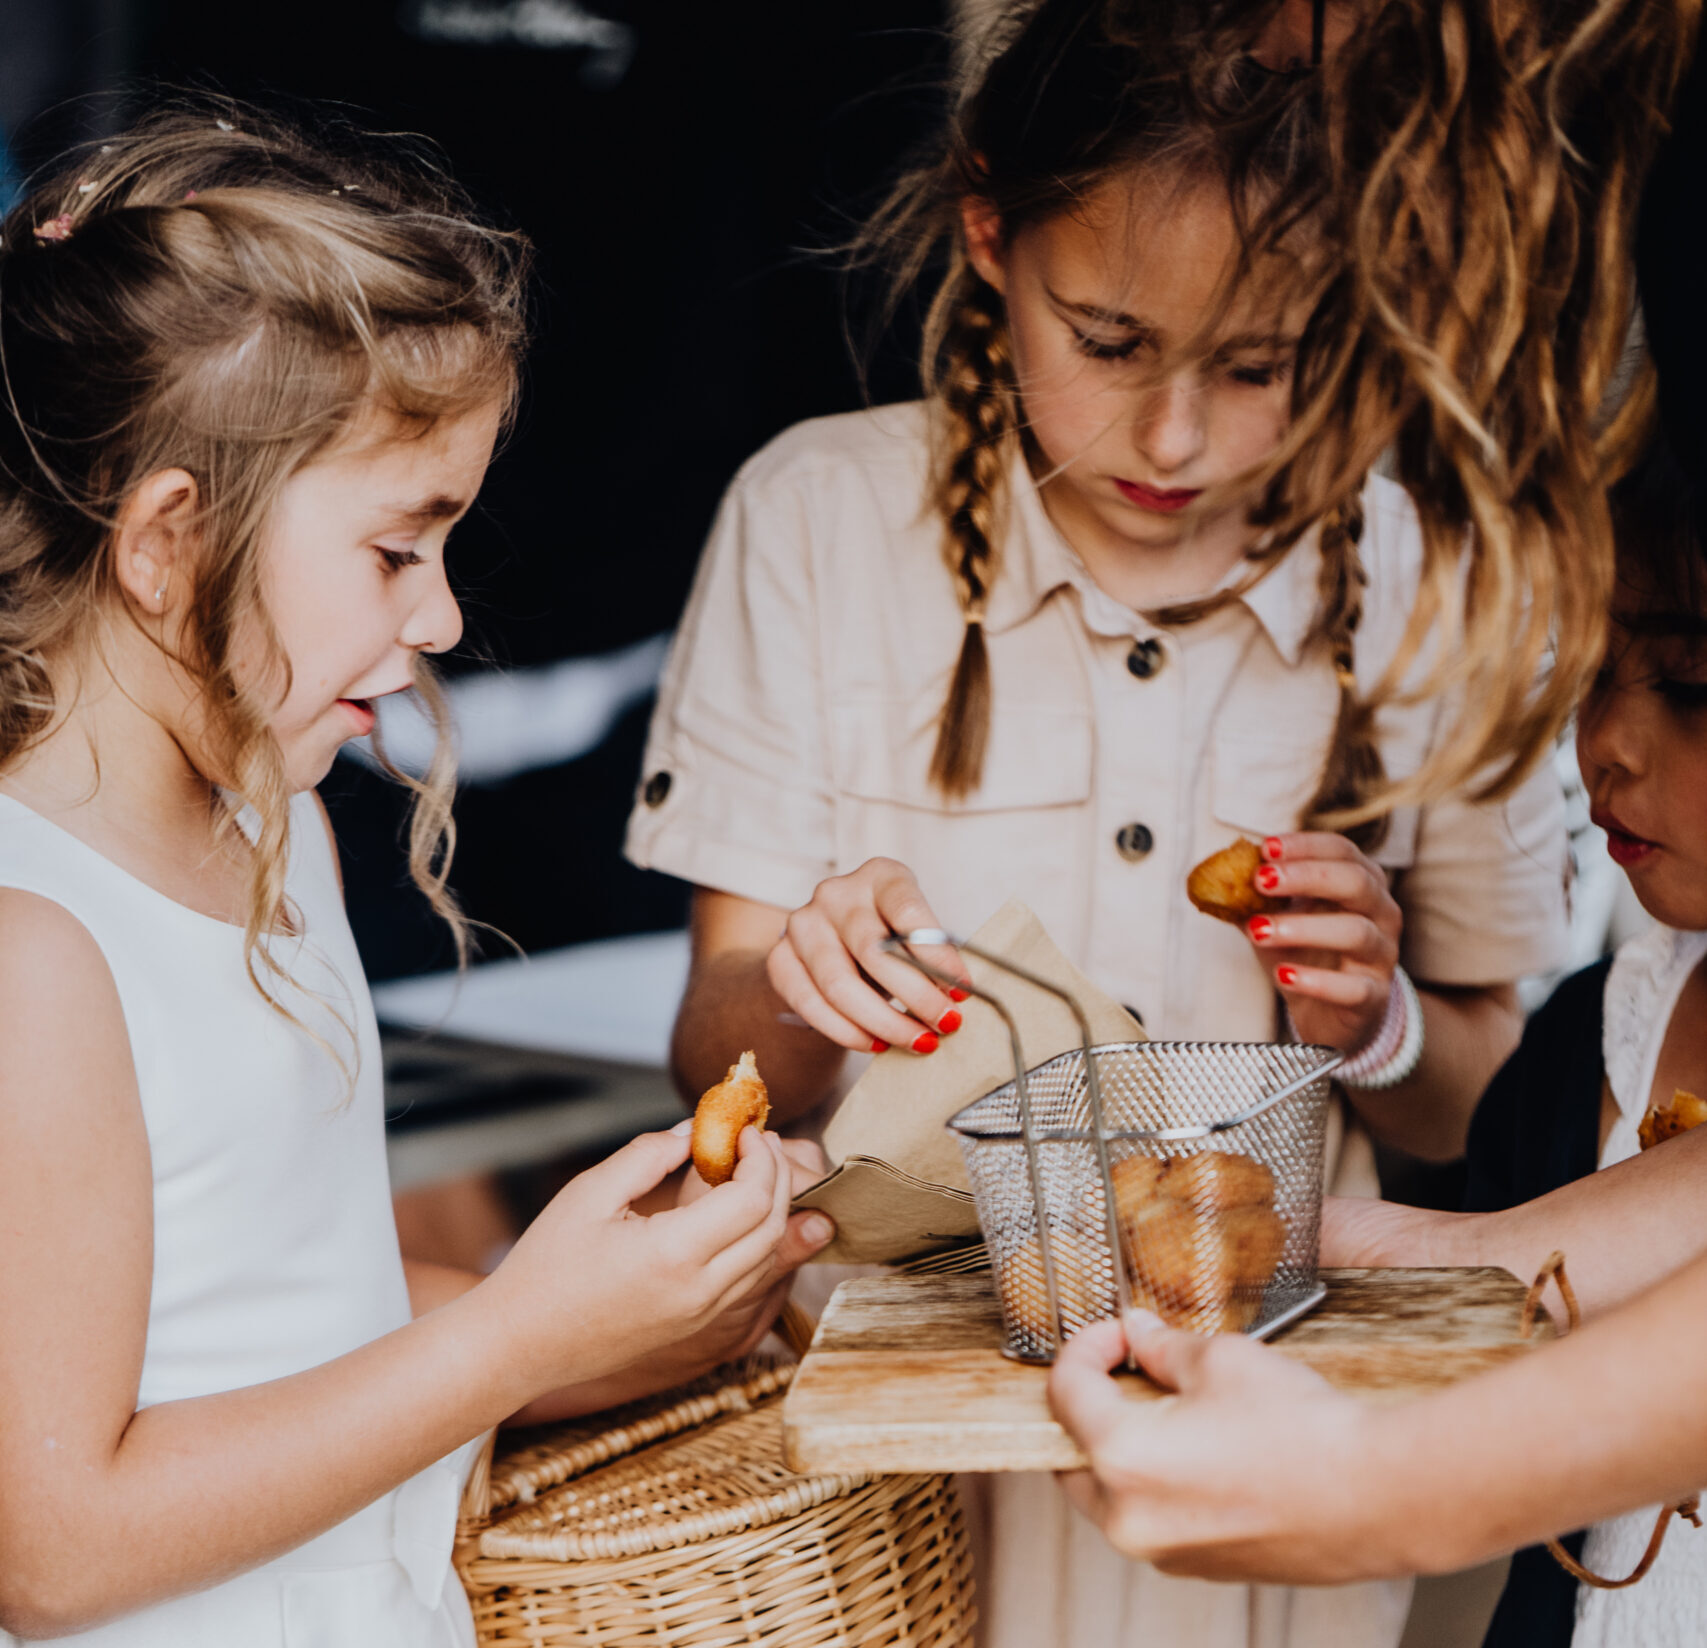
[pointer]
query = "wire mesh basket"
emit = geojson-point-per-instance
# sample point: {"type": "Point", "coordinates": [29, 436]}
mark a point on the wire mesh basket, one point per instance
{"type": "Point", "coordinates": [1185, 1177]}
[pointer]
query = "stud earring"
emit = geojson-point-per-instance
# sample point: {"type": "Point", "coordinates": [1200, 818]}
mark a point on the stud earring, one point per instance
{"type": "Point", "coordinates": [160, 595]}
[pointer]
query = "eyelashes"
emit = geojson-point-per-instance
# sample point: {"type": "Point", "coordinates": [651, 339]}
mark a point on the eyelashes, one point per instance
{"type": "Point", "coordinates": [397, 560]}
{"type": "Point", "coordinates": [1098, 349]}
{"type": "Point", "coordinates": [1254, 375]}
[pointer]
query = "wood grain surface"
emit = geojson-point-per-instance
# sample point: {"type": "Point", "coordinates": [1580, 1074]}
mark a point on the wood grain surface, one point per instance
{"type": "Point", "coordinates": [905, 1373]}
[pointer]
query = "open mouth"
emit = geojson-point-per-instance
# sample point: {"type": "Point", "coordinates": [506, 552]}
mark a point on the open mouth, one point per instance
{"type": "Point", "coordinates": [360, 711]}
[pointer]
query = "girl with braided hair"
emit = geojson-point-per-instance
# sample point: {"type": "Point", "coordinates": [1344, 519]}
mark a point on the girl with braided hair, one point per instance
{"type": "Point", "coordinates": [1060, 630]}
{"type": "Point", "coordinates": [250, 382]}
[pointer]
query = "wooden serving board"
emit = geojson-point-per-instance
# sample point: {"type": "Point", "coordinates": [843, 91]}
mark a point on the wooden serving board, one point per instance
{"type": "Point", "coordinates": [906, 1374]}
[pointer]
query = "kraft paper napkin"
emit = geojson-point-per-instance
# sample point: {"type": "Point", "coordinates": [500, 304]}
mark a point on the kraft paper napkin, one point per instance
{"type": "Point", "coordinates": [897, 1186]}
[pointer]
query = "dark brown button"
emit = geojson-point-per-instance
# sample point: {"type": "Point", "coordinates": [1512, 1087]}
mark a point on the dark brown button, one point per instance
{"type": "Point", "coordinates": [657, 788]}
{"type": "Point", "coordinates": [1134, 841]}
{"type": "Point", "coordinates": [1146, 658]}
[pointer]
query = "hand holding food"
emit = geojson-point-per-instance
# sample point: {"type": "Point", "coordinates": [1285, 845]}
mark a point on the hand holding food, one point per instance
{"type": "Point", "coordinates": [1224, 885]}
{"type": "Point", "coordinates": [738, 1101]}
{"type": "Point", "coordinates": [1331, 937]}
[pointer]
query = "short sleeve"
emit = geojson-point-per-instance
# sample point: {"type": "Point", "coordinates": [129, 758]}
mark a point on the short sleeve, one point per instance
{"type": "Point", "coordinates": [1484, 899]}
{"type": "Point", "coordinates": [735, 792]}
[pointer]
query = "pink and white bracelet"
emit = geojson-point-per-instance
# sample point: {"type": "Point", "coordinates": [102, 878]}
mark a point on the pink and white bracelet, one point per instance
{"type": "Point", "coordinates": [1397, 1047]}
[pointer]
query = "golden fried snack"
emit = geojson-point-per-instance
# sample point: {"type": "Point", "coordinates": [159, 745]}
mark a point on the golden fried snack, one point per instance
{"type": "Point", "coordinates": [1078, 1282]}
{"type": "Point", "coordinates": [1216, 1181]}
{"type": "Point", "coordinates": [1204, 1270]}
{"type": "Point", "coordinates": [739, 1100]}
{"type": "Point", "coordinates": [1135, 1180]}
{"type": "Point", "coordinates": [1221, 886]}
{"type": "Point", "coordinates": [1666, 1121]}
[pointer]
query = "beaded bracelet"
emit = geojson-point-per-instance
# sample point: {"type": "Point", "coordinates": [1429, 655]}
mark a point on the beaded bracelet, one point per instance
{"type": "Point", "coordinates": [1397, 1048]}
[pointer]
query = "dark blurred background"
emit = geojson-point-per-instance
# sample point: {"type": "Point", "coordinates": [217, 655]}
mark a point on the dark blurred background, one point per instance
{"type": "Point", "coordinates": [675, 165]}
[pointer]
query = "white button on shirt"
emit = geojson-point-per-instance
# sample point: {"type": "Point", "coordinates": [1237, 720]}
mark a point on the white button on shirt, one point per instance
{"type": "Point", "coordinates": [800, 705]}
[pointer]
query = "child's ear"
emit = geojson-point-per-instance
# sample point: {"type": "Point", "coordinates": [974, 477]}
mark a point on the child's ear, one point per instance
{"type": "Point", "coordinates": [986, 244]}
{"type": "Point", "coordinates": [153, 538]}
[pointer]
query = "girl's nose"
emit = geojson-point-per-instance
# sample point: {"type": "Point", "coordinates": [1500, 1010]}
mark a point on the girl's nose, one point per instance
{"type": "Point", "coordinates": [1169, 430]}
{"type": "Point", "coordinates": [1610, 732]}
{"type": "Point", "coordinates": [435, 622]}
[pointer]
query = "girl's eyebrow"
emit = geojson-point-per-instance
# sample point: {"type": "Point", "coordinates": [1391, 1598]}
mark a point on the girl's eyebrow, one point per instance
{"type": "Point", "coordinates": [1241, 341]}
{"type": "Point", "coordinates": [1103, 317]}
{"type": "Point", "coordinates": [1234, 345]}
{"type": "Point", "coordinates": [439, 507]}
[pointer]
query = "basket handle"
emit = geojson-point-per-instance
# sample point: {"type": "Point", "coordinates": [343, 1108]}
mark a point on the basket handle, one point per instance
{"type": "Point", "coordinates": [741, 1387]}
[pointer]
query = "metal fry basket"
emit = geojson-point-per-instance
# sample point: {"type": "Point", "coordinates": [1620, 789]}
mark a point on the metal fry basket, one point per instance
{"type": "Point", "coordinates": [1185, 1177]}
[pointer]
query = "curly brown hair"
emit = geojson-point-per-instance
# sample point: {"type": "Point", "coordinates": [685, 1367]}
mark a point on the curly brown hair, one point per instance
{"type": "Point", "coordinates": [1467, 177]}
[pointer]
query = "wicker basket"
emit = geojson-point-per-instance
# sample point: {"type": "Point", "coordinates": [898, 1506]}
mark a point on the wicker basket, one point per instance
{"type": "Point", "coordinates": [675, 1522]}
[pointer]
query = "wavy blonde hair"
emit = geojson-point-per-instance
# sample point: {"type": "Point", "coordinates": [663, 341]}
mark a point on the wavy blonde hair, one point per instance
{"type": "Point", "coordinates": [1466, 176]}
{"type": "Point", "coordinates": [220, 291]}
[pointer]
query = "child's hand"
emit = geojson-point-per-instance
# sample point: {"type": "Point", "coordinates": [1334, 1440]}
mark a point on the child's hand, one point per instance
{"type": "Point", "coordinates": [831, 968]}
{"type": "Point", "coordinates": [803, 1159]}
{"type": "Point", "coordinates": [1333, 951]}
{"type": "Point", "coordinates": [593, 1287]}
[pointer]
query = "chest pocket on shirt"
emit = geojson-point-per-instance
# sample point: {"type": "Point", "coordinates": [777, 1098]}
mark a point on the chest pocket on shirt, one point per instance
{"type": "Point", "coordinates": [1261, 785]}
{"type": "Point", "coordinates": [881, 751]}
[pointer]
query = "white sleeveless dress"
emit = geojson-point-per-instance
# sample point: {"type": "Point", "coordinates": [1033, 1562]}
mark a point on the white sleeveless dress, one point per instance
{"type": "Point", "coordinates": [274, 1244]}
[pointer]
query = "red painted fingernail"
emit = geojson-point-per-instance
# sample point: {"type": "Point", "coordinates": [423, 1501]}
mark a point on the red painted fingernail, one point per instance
{"type": "Point", "coordinates": [1272, 847]}
{"type": "Point", "coordinates": [949, 1022]}
{"type": "Point", "coordinates": [958, 995]}
{"type": "Point", "coordinates": [880, 1047]}
{"type": "Point", "coordinates": [925, 1044]}
{"type": "Point", "coordinates": [1260, 928]}
{"type": "Point", "coordinates": [1268, 878]}
{"type": "Point", "coordinates": [1286, 976]}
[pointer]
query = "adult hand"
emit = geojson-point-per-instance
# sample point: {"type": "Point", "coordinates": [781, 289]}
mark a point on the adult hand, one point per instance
{"type": "Point", "coordinates": [1256, 1470]}
{"type": "Point", "coordinates": [1333, 950]}
{"type": "Point", "coordinates": [831, 968]}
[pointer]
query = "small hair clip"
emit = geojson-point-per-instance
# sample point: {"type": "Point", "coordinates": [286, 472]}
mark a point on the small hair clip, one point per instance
{"type": "Point", "coordinates": [189, 195]}
{"type": "Point", "coordinates": [58, 228]}
{"type": "Point", "coordinates": [106, 148]}
{"type": "Point", "coordinates": [225, 125]}
{"type": "Point", "coordinates": [85, 187]}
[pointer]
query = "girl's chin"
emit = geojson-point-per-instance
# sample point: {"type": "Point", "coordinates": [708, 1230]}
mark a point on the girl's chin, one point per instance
{"type": "Point", "coordinates": [1682, 908]}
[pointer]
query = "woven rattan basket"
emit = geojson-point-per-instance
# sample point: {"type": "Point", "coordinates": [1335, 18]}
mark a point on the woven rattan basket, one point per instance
{"type": "Point", "coordinates": [674, 1522]}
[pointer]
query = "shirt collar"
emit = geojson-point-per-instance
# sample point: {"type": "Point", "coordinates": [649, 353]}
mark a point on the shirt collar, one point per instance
{"type": "Point", "coordinates": [1037, 561]}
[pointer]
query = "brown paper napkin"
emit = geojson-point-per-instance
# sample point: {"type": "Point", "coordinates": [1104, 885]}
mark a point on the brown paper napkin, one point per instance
{"type": "Point", "coordinates": [897, 1186]}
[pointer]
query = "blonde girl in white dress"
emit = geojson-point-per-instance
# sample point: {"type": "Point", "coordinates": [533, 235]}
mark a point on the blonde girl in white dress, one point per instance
{"type": "Point", "coordinates": [1030, 639]}
{"type": "Point", "coordinates": [250, 385]}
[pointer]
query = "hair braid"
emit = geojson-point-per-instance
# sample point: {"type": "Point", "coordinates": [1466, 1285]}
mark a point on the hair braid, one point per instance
{"type": "Point", "coordinates": [1354, 770]}
{"type": "Point", "coordinates": [975, 398]}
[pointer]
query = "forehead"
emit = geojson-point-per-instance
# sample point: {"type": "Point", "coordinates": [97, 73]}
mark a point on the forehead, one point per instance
{"type": "Point", "coordinates": [380, 453]}
{"type": "Point", "coordinates": [1163, 247]}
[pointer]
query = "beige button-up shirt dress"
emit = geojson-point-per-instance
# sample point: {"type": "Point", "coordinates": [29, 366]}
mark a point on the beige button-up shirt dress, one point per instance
{"type": "Point", "coordinates": [792, 742]}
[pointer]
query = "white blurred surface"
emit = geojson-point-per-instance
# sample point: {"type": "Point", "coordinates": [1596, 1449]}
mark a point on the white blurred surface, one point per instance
{"type": "Point", "coordinates": [512, 721]}
{"type": "Point", "coordinates": [612, 999]}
